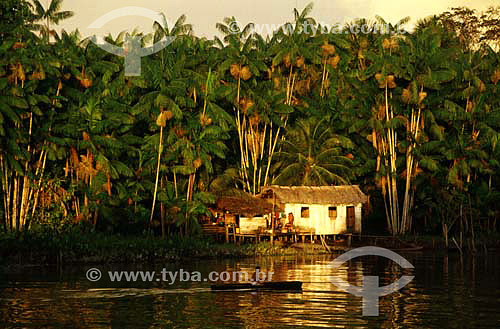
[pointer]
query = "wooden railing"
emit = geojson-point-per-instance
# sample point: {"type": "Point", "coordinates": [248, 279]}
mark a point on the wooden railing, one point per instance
{"type": "Point", "coordinates": [213, 230]}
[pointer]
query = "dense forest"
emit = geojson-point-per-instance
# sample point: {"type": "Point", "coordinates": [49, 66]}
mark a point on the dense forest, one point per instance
{"type": "Point", "coordinates": [411, 117]}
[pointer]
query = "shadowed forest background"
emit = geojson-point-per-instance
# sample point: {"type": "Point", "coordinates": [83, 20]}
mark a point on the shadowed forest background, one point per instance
{"type": "Point", "coordinates": [413, 119]}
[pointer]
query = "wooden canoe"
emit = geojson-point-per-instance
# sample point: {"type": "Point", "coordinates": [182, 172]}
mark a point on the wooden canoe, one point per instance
{"type": "Point", "coordinates": [278, 285]}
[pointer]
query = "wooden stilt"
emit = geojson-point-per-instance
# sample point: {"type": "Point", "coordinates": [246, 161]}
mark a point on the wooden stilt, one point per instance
{"type": "Point", "coordinates": [273, 219]}
{"type": "Point", "coordinates": [323, 242]}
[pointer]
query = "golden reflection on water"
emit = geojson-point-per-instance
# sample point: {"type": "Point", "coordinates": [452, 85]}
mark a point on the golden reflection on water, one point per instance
{"type": "Point", "coordinates": [443, 292]}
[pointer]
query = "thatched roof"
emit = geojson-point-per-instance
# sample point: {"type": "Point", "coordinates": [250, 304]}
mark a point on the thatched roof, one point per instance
{"type": "Point", "coordinates": [247, 206]}
{"type": "Point", "coordinates": [332, 195]}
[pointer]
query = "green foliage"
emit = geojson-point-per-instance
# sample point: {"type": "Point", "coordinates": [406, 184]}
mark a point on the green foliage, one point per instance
{"type": "Point", "coordinates": [312, 155]}
{"type": "Point", "coordinates": [80, 140]}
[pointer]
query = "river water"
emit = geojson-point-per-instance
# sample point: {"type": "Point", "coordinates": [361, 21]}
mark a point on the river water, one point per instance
{"type": "Point", "coordinates": [448, 291]}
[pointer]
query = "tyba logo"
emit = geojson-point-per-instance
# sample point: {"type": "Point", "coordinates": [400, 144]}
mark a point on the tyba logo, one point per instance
{"type": "Point", "coordinates": [133, 51]}
{"type": "Point", "coordinates": [370, 290]}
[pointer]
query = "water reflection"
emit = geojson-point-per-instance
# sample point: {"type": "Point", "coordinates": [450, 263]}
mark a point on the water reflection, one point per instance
{"type": "Point", "coordinates": [446, 291]}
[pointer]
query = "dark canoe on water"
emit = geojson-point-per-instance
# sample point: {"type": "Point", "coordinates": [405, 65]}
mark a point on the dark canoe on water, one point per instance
{"type": "Point", "coordinates": [279, 285]}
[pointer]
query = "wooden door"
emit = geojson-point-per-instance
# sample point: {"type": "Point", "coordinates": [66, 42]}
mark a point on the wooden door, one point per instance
{"type": "Point", "coordinates": [351, 218]}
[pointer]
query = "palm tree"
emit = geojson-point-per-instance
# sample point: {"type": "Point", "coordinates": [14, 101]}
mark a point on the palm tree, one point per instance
{"type": "Point", "coordinates": [51, 15]}
{"type": "Point", "coordinates": [180, 28]}
{"type": "Point", "coordinates": [243, 58]}
{"type": "Point", "coordinates": [420, 107]}
{"type": "Point", "coordinates": [312, 155]}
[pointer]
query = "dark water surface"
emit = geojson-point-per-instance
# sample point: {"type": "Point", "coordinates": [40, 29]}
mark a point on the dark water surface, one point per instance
{"type": "Point", "coordinates": [448, 292]}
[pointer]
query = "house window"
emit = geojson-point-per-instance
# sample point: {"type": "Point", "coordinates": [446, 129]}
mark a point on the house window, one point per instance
{"type": "Point", "coordinates": [332, 212]}
{"type": "Point", "coordinates": [304, 212]}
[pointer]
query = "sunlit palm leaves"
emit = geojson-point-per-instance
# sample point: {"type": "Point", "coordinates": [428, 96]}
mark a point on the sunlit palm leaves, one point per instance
{"type": "Point", "coordinates": [51, 15]}
{"type": "Point", "coordinates": [312, 155]}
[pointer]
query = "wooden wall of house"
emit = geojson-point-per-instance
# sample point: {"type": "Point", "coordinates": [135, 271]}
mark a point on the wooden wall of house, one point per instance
{"type": "Point", "coordinates": [358, 213]}
{"type": "Point", "coordinates": [319, 218]}
{"type": "Point", "coordinates": [250, 225]}
{"type": "Point", "coordinates": [229, 218]}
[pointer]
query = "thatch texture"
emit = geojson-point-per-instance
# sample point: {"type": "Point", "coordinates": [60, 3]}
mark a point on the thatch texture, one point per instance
{"type": "Point", "coordinates": [247, 206]}
{"type": "Point", "coordinates": [332, 195]}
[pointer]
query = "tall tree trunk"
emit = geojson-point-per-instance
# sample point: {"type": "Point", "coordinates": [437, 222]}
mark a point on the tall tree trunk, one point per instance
{"type": "Point", "coordinates": [160, 146]}
{"type": "Point", "coordinates": [162, 215]}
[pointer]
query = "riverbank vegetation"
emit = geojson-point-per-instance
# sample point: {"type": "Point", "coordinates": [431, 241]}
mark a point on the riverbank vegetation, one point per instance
{"type": "Point", "coordinates": [82, 245]}
{"type": "Point", "coordinates": [413, 118]}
